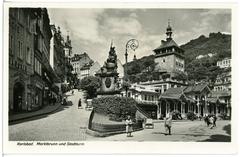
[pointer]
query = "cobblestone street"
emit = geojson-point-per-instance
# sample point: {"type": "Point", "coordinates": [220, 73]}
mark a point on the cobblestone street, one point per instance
{"type": "Point", "coordinates": [68, 123]}
{"type": "Point", "coordinates": [181, 131]}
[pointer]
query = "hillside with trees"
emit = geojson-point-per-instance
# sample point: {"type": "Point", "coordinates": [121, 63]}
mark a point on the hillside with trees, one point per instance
{"type": "Point", "coordinates": [201, 56]}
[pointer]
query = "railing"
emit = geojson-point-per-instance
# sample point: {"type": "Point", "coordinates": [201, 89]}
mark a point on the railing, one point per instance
{"type": "Point", "coordinates": [141, 111]}
{"type": "Point", "coordinates": [147, 102]}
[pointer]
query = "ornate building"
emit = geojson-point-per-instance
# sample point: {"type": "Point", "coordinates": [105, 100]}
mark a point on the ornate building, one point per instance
{"type": "Point", "coordinates": [78, 61]}
{"type": "Point", "coordinates": [57, 54]}
{"type": "Point", "coordinates": [29, 69]}
{"type": "Point", "coordinates": [169, 59]}
{"type": "Point", "coordinates": [169, 56]}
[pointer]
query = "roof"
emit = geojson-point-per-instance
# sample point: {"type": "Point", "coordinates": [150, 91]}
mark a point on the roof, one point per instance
{"type": "Point", "coordinates": [221, 93]}
{"type": "Point", "coordinates": [143, 89]}
{"type": "Point", "coordinates": [212, 99]}
{"type": "Point", "coordinates": [168, 43]}
{"type": "Point", "coordinates": [173, 93]}
{"type": "Point", "coordinates": [196, 88]}
{"type": "Point", "coordinates": [85, 67]}
{"type": "Point", "coordinates": [177, 93]}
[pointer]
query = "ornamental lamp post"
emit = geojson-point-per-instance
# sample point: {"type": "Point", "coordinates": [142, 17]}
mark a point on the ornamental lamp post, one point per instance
{"type": "Point", "coordinates": [133, 45]}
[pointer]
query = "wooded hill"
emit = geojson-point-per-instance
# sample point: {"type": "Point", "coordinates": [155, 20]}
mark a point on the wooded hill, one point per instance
{"type": "Point", "coordinates": [201, 56]}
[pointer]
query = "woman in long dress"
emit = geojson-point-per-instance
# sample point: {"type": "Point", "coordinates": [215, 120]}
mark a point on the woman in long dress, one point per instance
{"type": "Point", "coordinates": [129, 126]}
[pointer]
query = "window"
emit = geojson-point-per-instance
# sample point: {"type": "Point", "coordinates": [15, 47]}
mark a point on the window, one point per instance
{"type": "Point", "coordinates": [28, 56]}
{"type": "Point", "coordinates": [19, 49]}
{"type": "Point", "coordinates": [164, 88]}
{"type": "Point", "coordinates": [145, 97]}
{"type": "Point", "coordinates": [37, 67]}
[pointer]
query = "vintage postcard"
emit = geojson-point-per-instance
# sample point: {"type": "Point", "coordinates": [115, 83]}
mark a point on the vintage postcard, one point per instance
{"type": "Point", "coordinates": [119, 78]}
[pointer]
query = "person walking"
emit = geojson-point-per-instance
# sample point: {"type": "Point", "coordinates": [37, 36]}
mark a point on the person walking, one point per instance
{"type": "Point", "coordinates": [211, 120]}
{"type": "Point", "coordinates": [79, 103]}
{"type": "Point", "coordinates": [129, 126]}
{"type": "Point", "coordinates": [214, 120]}
{"type": "Point", "coordinates": [168, 124]}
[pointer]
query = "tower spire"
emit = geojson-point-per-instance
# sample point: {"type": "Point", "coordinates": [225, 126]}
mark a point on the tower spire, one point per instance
{"type": "Point", "coordinates": [111, 43]}
{"type": "Point", "coordinates": [169, 31]}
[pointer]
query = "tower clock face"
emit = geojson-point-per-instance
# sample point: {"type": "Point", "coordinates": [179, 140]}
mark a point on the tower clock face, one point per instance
{"type": "Point", "coordinates": [108, 82]}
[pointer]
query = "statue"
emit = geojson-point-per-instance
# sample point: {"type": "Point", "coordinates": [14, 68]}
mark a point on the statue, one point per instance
{"type": "Point", "coordinates": [108, 74]}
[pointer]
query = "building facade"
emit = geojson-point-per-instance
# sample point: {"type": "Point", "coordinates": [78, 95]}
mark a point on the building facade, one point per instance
{"type": "Point", "coordinates": [169, 56]}
{"type": "Point", "coordinates": [225, 63]}
{"type": "Point", "coordinates": [146, 97]}
{"type": "Point", "coordinates": [169, 59]}
{"type": "Point", "coordinates": [221, 93]}
{"type": "Point", "coordinates": [184, 100]}
{"type": "Point", "coordinates": [57, 53]}
{"type": "Point", "coordinates": [78, 61]}
{"type": "Point", "coordinates": [29, 37]}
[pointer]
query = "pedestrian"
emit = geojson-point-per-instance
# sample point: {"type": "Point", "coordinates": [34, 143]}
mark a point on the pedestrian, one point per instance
{"type": "Point", "coordinates": [206, 120]}
{"type": "Point", "coordinates": [214, 120]}
{"type": "Point", "coordinates": [54, 100]}
{"type": "Point", "coordinates": [129, 126]}
{"type": "Point", "coordinates": [72, 92]}
{"type": "Point", "coordinates": [168, 124]}
{"type": "Point", "coordinates": [211, 120]}
{"type": "Point", "coordinates": [64, 102]}
{"type": "Point", "coordinates": [80, 103]}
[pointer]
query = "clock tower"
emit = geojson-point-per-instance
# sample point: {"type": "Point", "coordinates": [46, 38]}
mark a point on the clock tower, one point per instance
{"type": "Point", "coordinates": [169, 56]}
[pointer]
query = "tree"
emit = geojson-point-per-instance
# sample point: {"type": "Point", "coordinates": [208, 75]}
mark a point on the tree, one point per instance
{"type": "Point", "coordinates": [90, 84]}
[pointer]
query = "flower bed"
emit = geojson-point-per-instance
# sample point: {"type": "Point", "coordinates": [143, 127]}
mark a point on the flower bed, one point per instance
{"type": "Point", "coordinates": [114, 107]}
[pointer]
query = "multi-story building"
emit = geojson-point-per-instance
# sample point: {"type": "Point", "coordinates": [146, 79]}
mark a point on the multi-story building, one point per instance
{"type": "Point", "coordinates": [78, 61]}
{"type": "Point", "coordinates": [169, 56]}
{"type": "Point", "coordinates": [21, 58]}
{"type": "Point", "coordinates": [57, 53]}
{"type": "Point", "coordinates": [169, 59]}
{"type": "Point", "coordinates": [225, 63]}
{"type": "Point", "coordinates": [164, 84]}
{"type": "Point", "coordinates": [89, 70]}
{"type": "Point", "coordinates": [146, 97]}
{"type": "Point", "coordinates": [84, 71]}
{"type": "Point", "coordinates": [223, 81]}
{"type": "Point", "coordinates": [221, 94]}
{"type": "Point", "coordinates": [29, 37]}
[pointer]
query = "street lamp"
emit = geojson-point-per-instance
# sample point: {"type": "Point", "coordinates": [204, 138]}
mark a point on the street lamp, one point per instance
{"type": "Point", "coordinates": [133, 45]}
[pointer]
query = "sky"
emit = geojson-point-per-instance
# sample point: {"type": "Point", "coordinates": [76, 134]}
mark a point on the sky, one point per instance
{"type": "Point", "coordinates": [92, 30]}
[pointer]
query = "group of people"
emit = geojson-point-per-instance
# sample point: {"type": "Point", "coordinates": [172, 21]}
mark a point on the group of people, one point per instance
{"type": "Point", "coordinates": [167, 125]}
{"type": "Point", "coordinates": [210, 120]}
